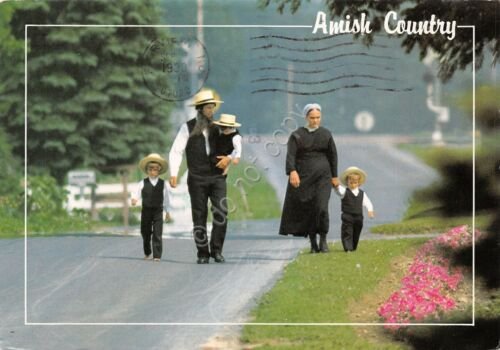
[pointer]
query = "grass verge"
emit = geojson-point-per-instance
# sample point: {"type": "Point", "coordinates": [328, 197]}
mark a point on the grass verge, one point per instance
{"type": "Point", "coordinates": [250, 195]}
{"type": "Point", "coordinates": [431, 224]}
{"type": "Point", "coordinates": [41, 224]}
{"type": "Point", "coordinates": [322, 288]}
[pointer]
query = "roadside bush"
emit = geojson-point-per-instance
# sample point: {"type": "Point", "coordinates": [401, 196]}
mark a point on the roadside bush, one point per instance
{"type": "Point", "coordinates": [45, 195]}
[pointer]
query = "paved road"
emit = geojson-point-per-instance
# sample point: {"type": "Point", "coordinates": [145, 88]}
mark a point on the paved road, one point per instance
{"type": "Point", "coordinates": [102, 279]}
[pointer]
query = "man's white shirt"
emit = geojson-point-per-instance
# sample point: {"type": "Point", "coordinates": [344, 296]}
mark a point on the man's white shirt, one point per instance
{"type": "Point", "coordinates": [180, 143]}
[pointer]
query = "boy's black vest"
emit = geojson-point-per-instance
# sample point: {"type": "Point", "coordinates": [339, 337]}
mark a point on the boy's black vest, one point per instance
{"type": "Point", "coordinates": [198, 161]}
{"type": "Point", "coordinates": [224, 145]}
{"type": "Point", "coordinates": [152, 196]}
{"type": "Point", "coordinates": [352, 204]}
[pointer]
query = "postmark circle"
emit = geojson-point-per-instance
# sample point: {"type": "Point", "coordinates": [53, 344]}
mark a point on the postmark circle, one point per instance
{"type": "Point", "coordinates": [175, 69]}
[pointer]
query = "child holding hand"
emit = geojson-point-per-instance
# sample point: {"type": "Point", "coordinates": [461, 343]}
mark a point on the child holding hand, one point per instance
{"type": "Point", "coordinates": [153, 192]}
{"type": "Point", "coordinates": [353, 201]}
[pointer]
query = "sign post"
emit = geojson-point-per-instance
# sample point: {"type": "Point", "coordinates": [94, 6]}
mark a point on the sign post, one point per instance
{"type": "Point", "coordinates": [83, 178]}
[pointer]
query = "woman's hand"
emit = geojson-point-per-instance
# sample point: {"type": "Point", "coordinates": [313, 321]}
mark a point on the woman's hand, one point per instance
{"type": "Point", "coordinates": [335, 182]}
{"type": "Point", "coordinates": [294, 179]}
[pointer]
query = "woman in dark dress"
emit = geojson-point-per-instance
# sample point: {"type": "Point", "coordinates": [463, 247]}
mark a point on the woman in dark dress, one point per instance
{"type": "Point", "coordinates": [311, 164]}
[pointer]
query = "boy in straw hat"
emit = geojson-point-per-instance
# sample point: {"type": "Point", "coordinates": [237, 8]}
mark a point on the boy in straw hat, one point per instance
{"type": "Point", "coordinates": [353, 201]}
{"type": "Point", "coordinates": [229, 141]}
{"type": "Point", "coordinates": [153, 192]}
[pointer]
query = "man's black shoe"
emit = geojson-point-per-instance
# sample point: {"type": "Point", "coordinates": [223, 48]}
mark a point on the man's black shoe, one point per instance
{"type": "Point", "coordinates": [219, 258]}
{"type": "Point", "coordinates": [202, 260]}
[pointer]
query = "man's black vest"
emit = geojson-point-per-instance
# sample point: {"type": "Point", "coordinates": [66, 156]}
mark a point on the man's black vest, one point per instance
{"type": "Point", "coordinates": [198, 161]}
{"type": "Point", "coordinates": [152, 196]}
{"type": "Point", "coordinates": [352, 204]}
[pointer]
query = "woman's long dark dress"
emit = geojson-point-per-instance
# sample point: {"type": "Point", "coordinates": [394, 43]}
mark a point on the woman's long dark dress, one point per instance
{"type": "Point", "coordinates": [314, 156]}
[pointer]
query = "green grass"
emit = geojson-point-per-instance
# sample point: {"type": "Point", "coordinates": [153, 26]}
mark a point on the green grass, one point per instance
{"type": "Point", "coordinates": [44, 223]}
{"type": "Point", "coordinates": [431, 224]}
{"type": "Point", "coordinates": [318, 288]}
{"type": "Point", "coordinates": [251, 196]}
{"type": "Point", "coordinates": [11, 226]}
{"type": "Point", "coordinates": [433, 156]}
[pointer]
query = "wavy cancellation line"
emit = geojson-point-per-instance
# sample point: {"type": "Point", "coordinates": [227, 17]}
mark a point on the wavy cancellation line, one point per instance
{"type": "Point", "coordinates": [313, 71]}
{"type": "Point", "coordinates": [271, 46]}
{"type": "Point", "coordinates": [284, 37]}
{"type": "Point", "coordinates": [309, 93]}
{"type": "Point", "coordinates": [298, 60]}
{"type": "Point", "coordinates": [369, 76]}
{"type": "Point", "coordinates": [296, 39]}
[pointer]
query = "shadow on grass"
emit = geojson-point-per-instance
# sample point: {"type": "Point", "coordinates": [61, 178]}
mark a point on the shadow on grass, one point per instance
{"type": "Point", "coordinates": [484, 335]}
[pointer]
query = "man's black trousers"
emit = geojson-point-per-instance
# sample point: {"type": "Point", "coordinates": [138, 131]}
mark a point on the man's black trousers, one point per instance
{"type": "Point", "coordinates": [202, 188]}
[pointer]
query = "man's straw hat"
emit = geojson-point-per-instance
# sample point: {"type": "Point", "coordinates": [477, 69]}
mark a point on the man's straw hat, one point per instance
{"type": "Point", "coordinates": [227, 120]}
{"type": "Point", "coordinates": [156, 158]}
{"type": "Point", "coordinates": [353, 170]}
{"type": "Point", "coordinates": [205, 96]}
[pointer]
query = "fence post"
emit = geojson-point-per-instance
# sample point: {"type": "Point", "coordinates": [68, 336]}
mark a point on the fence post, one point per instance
{"type": "Point", "coordinates": [124, 175]}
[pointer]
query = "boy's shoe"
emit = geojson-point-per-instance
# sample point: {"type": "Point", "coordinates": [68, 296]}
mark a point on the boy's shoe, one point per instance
{"type": "Point", "coordinates": [147, 257]}
{"type": "Point", "coordinates": [156, 259]}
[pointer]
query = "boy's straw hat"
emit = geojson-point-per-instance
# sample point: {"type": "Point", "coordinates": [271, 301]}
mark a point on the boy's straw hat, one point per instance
{"type": "Point", "coordinates": [227, 120]}
{"type": "Point", "coordinates": [205, 96]}
{"type": "Point", "coordinates": [353, 170]}
{"type": "Point", "coordinates": [156, 158]}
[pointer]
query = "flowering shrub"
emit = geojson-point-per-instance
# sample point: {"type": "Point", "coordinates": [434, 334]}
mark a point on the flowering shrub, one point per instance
{"type": "Point", "coordinates": [425, 290]}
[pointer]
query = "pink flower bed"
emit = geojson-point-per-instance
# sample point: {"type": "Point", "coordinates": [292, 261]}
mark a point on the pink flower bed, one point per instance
{"type": "Point", "coordinates": [426, 289]}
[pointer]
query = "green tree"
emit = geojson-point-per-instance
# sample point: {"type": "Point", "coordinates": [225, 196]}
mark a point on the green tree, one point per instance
{"type": "Point", "coordinates": [11, 79]}
{"type": "Point", "coordinates": [88, 105]}
{"type": "Point", "coordinates": [453, 54]}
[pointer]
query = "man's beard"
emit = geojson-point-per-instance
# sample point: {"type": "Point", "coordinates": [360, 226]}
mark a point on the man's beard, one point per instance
{"type": "Point", "coordinates": [202, 123]}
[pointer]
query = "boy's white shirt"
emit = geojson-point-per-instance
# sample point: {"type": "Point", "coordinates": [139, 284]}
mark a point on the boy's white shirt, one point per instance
{"type": "Point", "coordinates": [137, 194]}
{"type": "Point", "coordinates": [237, 147]}
{"type": "Point", "coordinates": [367, 203]}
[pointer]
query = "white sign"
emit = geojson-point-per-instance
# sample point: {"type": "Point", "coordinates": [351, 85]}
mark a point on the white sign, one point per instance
{"type": "Point", "coordinates": [81, 178]}
{"type": "Point", "coordinates": [364, 121]}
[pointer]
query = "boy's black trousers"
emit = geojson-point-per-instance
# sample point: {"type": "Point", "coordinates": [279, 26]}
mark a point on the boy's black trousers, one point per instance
{"type": "Point", "coordinates": [352, 224]}
{"type": "Point", "coordinates": [152, 227]}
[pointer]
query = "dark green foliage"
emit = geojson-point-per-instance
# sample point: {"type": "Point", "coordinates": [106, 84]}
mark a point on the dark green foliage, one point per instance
{"type": "Point", "coordinates": [11, 189]}
{"type": "Point", "coordinates": [453, 54]}
{"type": "Point", "coordinates": [87, 103]}
{"type": "Point", "coordinates": [455, 192]}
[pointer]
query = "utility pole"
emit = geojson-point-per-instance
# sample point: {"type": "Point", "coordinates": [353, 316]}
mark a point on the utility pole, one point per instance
{"type": "Point", "coordinates": [433, 100]}
{"type": "Point", "coordinates": [289, 87]}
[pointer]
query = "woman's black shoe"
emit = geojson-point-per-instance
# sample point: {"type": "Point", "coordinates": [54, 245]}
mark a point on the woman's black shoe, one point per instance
{"type": "Point", "coordinates": [323, 244]}
{"type": "Point", "coordinates": [314, 243]}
